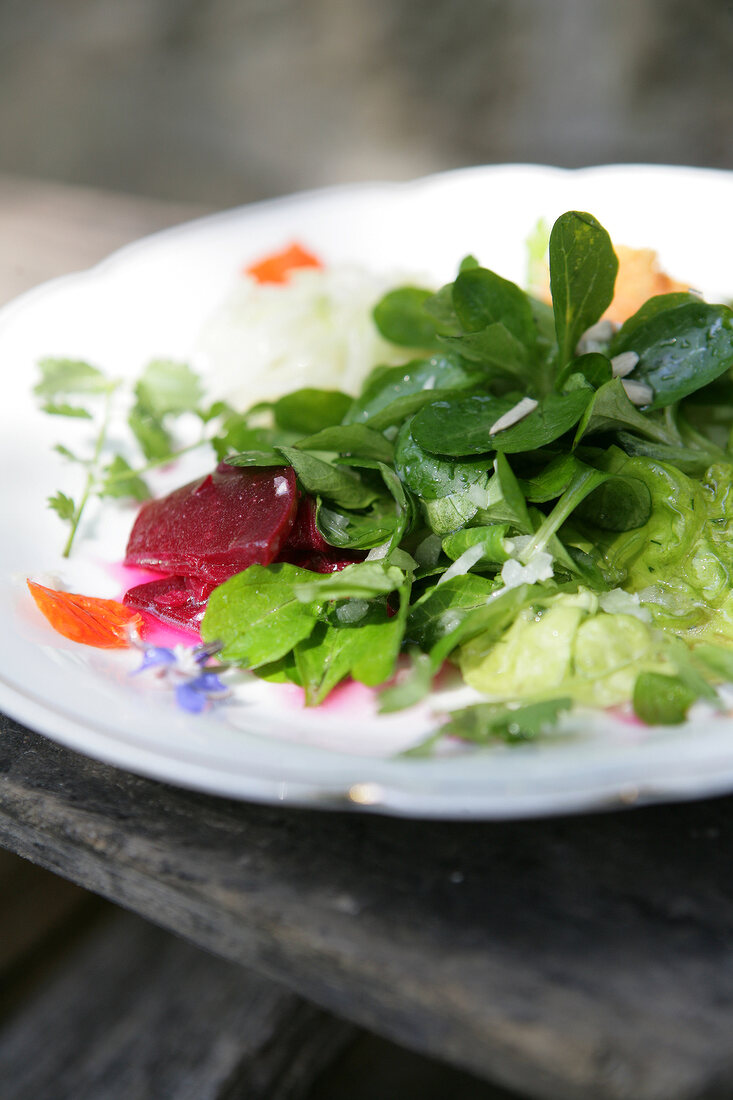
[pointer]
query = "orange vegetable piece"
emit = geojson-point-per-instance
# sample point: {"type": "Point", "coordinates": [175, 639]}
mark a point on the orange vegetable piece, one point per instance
{"type": "Point", "coordinates": [277, 267]}
{"type": "Point", "coordinates": [106, 624]}
{"type": "Point", "coordinates": [639, 278]}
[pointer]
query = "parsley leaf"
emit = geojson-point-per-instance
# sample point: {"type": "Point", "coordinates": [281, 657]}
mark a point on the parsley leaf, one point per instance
{"type": "Point", "coordinates": [67, 376]}
{"type": "Point", "coordinates": [62, 409]}
{"type": "Point", "coordinates": [167, 387]}
{"type": "Point", "coordinates": [120, 480]}
{"type": "Point", "coordinates": [63, 505]}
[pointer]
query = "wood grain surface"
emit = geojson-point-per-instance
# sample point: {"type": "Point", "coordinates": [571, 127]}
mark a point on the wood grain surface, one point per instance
{"type": "Point", "coordinates": [136, 1014]}
{"type": "Point", "coordinates": [578, 958]}
{"type": "Point", "coordinates": [588, 958]}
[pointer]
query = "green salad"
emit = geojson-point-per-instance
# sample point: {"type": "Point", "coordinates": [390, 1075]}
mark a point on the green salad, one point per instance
{"type": "Point", "coordinates": [555, 521]}
{"type": "Point", "coordinates": [538, 497]}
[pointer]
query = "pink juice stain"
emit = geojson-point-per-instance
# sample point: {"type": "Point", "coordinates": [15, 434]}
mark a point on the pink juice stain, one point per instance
{"type": "Point", "coordinates": [624, 715]}
{"type": "Point", "coordinates": [349, 696]}
{"type": "Point", "coordinates": [154, 631]}
{"type": "Point", "coordinates": [352, 697]}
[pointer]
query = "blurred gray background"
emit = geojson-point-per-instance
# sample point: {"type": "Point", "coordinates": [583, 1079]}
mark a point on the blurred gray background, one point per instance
{"type": "Point", "coordinates": [223, 101]}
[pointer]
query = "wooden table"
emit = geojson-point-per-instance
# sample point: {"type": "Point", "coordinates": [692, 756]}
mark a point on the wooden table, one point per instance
{"type": "Point", "coordinates": [587, 958]}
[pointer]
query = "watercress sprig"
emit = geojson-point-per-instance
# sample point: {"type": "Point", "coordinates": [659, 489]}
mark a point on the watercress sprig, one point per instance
{"type": "Point", "coordinates": [164, 391]}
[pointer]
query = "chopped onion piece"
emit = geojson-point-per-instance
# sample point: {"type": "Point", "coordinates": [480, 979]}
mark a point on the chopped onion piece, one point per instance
{"type": "Point", "coordinates": [428, 551]}
{"type": "Point", "coordinates": [623, 364]}
{"type": "Point", "coordinates": [352, 611]}
{"type": "Point", "coordinates": [538, 568]}
{"type": "Point", "coordinates": [620, 602]}
{"type": "Point", "coordinates": [378, 552]}
{"type": "Point", "coordinates": [514, 415]}
{"type": "Point", "coordinates": [638, 392]}
{"type": "Point", "coordinates": [596, 337]}
{"type": "Point", "coordinates": [463, 563]}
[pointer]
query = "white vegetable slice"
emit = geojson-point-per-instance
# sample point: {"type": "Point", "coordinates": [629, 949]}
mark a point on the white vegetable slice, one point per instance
{"type": "Point", "coordinates": [378, 552]}
{"type": "Point", "coordinates": [637, 392]}
{"type": "Point", "coordinates": [623, 364]}
{"type": "Point", "coordinates": [514, 415]}
{"type": "Point", "coordinates": [316, 330]}
{"type": "Point", "coordinates": [352, 611]}
{"type": "Point", "coordinates": [428, 551]}
{"type": "Point", "coordinates": [596, 337]}
{"type": "Point", "coordinates": [538, 568]}
{"type": "Point", "coordinates": [463, 563]}
{"type": "Point", "coordinates": [620, 602]}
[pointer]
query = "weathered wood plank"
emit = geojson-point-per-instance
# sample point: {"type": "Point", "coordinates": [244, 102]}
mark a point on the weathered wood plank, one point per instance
{"type": "Point", "coordinates": [372, 1068]}
{"type": "Point", "coordinates": [581, 958]}
{"type": "Point", "coordinates": [136, 1013]}
{"type": "Point", "coordinates": [41, 917]}
{"type": "Point", "coordinates": [33, 905]}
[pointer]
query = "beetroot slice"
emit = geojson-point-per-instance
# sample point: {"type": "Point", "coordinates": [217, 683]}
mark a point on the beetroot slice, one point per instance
{"type": "Point", "coordinates": [178, 601]}
{"type": "Point", "coordinates": [304, 534]}
{"type": "Point", "coordinates": [307, 548]}
{"type": "Point", "coordinates": [321, 563]}
{"type": "Point", "coordinates": [216, 526]}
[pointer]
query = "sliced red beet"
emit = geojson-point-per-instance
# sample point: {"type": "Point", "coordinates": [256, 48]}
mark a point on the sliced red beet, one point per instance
{"type": "Point", "coordinates": [321, 563]}
{"type": "Point", "coordinates": [307, 547]}
{"type": "Point", "coordinates": [178, 601]}
{"type": "Point", "coordinates": [304, 534]}
{"type": "Point", "coordinates": [216, 526]}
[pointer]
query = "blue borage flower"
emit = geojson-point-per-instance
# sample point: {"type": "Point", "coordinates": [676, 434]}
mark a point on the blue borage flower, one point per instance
{"type": "Point", "coordinates": [195, 695]}
{"type": "Point", "coordinates": [196, 684]}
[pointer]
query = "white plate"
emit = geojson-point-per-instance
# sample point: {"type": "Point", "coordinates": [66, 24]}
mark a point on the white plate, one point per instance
{"type": "Point", "coordinates": [152, 299]}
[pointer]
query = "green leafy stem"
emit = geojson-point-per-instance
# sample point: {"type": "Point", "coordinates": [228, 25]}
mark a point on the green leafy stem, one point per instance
{"type": "Point", "coordinates": [164, 391]}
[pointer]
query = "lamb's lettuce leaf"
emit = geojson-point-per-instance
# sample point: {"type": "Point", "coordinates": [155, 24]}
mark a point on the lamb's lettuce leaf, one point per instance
{"type": "Point", "coordinates": [681, 350]}
{"type": "Point", "coordinates": [583, 269]}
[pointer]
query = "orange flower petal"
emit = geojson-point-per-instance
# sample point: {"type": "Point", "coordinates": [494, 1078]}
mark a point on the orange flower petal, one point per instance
{"type": "Point", "coordinates": [277, 267]}
{"type": "Point", "coordinates": [106, 624]}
